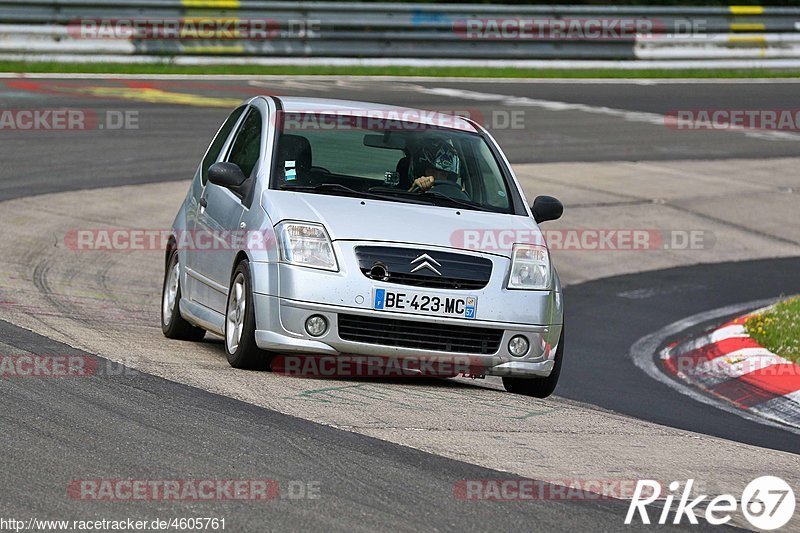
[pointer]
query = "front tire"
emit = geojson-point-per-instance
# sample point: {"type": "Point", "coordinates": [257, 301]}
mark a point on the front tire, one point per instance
{"type": "Point", "coordinates": [173, 325]}
{"type": "Point", "coordinates": [240, 322]}
{"type": "Point", "coordinates": [538, 387]}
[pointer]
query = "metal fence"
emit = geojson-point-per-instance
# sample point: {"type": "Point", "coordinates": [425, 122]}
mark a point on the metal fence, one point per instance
{"type": "Point", "coordinates": [60, 28]}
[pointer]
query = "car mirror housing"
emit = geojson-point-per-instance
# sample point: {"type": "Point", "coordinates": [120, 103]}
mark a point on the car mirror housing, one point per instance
{"type": "Point", "coordinates": [546, 208]}
{"type": "Point", "coordinates": [227, 175]}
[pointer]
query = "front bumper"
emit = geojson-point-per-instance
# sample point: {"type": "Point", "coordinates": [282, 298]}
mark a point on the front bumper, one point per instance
{"type": "Point", "coordinates": [286, 295]}
{"type": "Point", "coordinates": [281, 330]}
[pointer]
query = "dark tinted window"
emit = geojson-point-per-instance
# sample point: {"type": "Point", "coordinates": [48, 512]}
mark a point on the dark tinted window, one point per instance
{"type": "Point", "coordinates": [247, 146]}
{"type": "Point", "coordinates": [219, 140]}
{"type": "Point", "coordinates": [366, 153]}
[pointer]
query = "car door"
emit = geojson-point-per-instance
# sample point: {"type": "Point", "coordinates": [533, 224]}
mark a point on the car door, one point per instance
{"type": "Point", "coordinates": [216, 150]}
{"type": "Point", "coordinates": [219, 215]}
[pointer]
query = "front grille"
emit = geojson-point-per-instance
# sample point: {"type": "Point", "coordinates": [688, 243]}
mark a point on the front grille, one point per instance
{"type": "Point", "coordinates": [420, 335]}
{"type": "Point", "coordinates": [457, 271]}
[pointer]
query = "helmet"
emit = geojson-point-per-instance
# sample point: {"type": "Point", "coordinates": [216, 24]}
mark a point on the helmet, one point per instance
{"type": "Point", "coordinates": [442, 156]}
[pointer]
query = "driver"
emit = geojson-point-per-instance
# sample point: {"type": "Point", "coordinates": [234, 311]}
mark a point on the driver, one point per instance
{"type": "Point", "coordinates": [438, 162]}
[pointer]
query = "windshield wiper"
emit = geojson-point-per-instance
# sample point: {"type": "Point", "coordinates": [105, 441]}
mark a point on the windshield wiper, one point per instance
{"type": "Point", "coordinates": [456, 201]}
{"type": "Point", "coordinates": [433, 197]}
{"type": "Point", "coordinates": [337, 188]}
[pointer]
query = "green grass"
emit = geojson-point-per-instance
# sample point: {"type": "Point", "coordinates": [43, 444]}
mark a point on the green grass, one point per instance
{"type": "Point", "coordinates": [254, 70]}
{"type": "Point", "coordinates": [778, 330]}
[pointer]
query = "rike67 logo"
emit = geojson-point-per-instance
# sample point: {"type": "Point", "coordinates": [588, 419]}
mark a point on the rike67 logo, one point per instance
{"type": "Point", "coordinates": [767, 503]}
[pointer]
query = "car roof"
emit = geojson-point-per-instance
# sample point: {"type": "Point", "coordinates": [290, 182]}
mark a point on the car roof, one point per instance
{"type": "Point", "coordinates": [352, 107]}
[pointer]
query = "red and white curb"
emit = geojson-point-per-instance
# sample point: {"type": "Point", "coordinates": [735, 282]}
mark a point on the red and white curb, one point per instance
{"type": "Point", "coordinates": [730, 365]}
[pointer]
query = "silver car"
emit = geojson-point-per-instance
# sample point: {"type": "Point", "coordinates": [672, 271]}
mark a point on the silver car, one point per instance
{"type": "Point", "coordinates": [330, 228]}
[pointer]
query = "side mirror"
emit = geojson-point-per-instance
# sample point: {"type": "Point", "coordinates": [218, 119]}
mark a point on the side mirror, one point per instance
{"type": "Point", "coordinates": [227, 175]}
{"type": "Point", "coordinates": [546, 208]}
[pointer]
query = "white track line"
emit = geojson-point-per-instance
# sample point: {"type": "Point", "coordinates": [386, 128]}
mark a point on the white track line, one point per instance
{"type": "Point", "coordinates": [655, 119]}
{"type": "Point", "coordinates": [643, 352]}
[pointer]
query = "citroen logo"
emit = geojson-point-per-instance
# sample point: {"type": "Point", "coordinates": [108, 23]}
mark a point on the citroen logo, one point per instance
{"type": "Point", "coordinates": [427, 262]}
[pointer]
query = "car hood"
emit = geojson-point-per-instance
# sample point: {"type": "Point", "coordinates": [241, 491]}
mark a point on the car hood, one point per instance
{"type": "Point", "coordinates": [363, 219]}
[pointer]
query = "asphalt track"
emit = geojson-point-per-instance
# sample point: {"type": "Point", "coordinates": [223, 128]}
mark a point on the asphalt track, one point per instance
{"type": "Point", "coordinates": [133, 421]}
{"type": "Point", "coordinates": [634, 305]}
{"type": "Point", "coordinates": [101, 158]}
{"type": "Point", "coordinates": [147, 424]}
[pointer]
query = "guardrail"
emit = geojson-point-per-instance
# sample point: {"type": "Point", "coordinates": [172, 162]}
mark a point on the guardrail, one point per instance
{"type": "Point", "coordinates": [423, 32]}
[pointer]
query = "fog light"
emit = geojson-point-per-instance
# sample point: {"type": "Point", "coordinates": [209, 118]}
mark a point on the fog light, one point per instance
{"type": "Point", "coordinates": [316, 325]}
{"type": "Point", "coordinates": [518, 346]}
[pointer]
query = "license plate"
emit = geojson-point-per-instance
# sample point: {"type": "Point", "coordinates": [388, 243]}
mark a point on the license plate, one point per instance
{"type": "Point", "coordinates": [423, 303]}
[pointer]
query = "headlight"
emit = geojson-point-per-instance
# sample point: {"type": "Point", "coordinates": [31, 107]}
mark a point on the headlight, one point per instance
{"type": "Point", "coordinates": [306, 244]}
{"type": "Point", "coordinates": [530, 267]}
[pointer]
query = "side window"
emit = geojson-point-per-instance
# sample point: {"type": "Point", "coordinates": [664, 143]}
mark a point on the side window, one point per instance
{"type": "Point", "coordinates": [247, 146]}
{"type": "Point", "coordinates": [496, 192]}
{"type": "Point", "coordinates": [216, 145]}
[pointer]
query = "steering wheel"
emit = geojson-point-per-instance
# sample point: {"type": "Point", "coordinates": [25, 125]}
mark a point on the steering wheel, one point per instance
{"type": "Point", "coordinates": [449, 188]}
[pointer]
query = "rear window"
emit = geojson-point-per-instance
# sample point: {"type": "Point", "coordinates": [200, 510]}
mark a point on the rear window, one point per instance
{"type": "Point", "coordinates": [344, 153]}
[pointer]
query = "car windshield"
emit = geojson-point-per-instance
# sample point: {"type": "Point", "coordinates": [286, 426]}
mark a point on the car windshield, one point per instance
{"type": "Point", "coordinates": [374, 158]}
